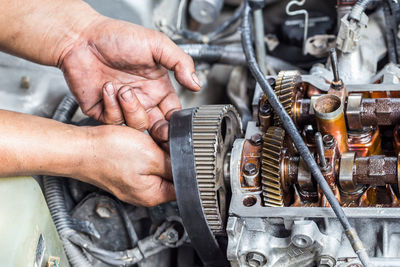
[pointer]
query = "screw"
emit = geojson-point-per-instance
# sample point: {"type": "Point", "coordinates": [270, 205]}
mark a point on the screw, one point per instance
{"type": "Point", "coordinates": [271, 82]}
{"type": "Point", "coordinates": [326, 261]}
{"type": "Point", "coordinates": [328, 140]}
{"type": "Point", "coordinates": [172, 236]}
{"type": "Point", "coordinates": [255, 259]}
{"type": "Point", "coordinates": [25, 83]}
{"type": "Point", "coordinates": [256, 139]}
{"type": "Point", "coordinates": [250, 169]}
{"type": "Point", "coordinates": [265, 109]}
{"type": "Point", "coordinates": [103, 212]}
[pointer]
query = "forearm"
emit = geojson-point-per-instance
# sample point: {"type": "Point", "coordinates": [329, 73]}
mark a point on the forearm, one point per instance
{"type": "Point", "coordinates": [43, 30]}
{"type": "Point", "coordinates": [32, 145]}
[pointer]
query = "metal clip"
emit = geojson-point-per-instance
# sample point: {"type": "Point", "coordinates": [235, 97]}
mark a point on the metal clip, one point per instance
{"type": "Point", "coordinates": [299, 12]}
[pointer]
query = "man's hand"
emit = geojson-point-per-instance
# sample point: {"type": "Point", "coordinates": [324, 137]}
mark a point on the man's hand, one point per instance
{"type": "Point", "coordinates": [128, 164]}
{"type": "Point", "coordinates": [118, 159]}
{"type": "Point", "coordinates": [111, 54]}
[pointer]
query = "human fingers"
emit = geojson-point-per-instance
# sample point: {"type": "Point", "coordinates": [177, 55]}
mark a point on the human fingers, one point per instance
{"type": "Point", "coordinates": [112, 113]}
{"type": "Point", "coordinates": [158, 125]}
{"type": "Point", "coordinates": [169, 55]}
{"type": "Point", "coordinates": [134, 113]}
{"type": "Point", "coordinates": [158, 191]}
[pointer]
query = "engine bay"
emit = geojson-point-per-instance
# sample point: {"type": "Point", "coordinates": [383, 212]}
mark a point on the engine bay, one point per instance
{"type": "Point", "coordinates": [289, 155]}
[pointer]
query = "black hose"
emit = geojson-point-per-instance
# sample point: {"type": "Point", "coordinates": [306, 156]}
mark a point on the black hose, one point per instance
{"type": "Point", "coordinates": [392, 20]}
{"type": "Point", "coordinates": [230, 55]}
{"type": "Point", "coordinates": [215, 53]}
{"type": "Point", "coordinates": [228, 23]}
{"type": "Point", "coordinates": [54, 193]}
{"type": "Point", "coordinates": [291, 129]}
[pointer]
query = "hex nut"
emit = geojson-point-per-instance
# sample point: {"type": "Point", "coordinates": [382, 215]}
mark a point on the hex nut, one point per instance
{"type": "Point", "coordinates": [255, 259]}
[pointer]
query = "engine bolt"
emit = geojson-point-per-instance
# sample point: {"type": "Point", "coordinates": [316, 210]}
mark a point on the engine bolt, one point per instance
{"type": "Point", "coordinates": [265, 109]}
{"type": "Point", "coordinates": [103, 211]}
{"type": "Point", "coordinates": [255, 259]}
{"type": "Point", "coordinates": [250, 169]}
{"type": "Point", "coordinates": [328, 140]}
{"type": "Point", "coordinates": [326, 261]}
{"type": "Point", "coordinates": [256, 139]}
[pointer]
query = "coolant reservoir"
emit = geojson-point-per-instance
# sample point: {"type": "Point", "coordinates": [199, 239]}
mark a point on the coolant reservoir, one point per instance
{"type": "Point", "coordinates": [28, 236]}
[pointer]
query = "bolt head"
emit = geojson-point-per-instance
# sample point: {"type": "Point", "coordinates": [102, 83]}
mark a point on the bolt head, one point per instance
{"type": "Point", "coordinates": [172, 236]}
{"type": "Point", "coordinates": [103, 211]}
{"type": "Point", "coordinates": [265, 109]}
{"type": "Point", "coordinates": [326, 261]}
{"type": "Point", "coordinates": [328, 140]}
{"type": "Point", "coordinates": [255, 259]}
{"type": "Point", "coordinates": [250, 169]}
{"type": "Point", "coordinates": [256, 139]}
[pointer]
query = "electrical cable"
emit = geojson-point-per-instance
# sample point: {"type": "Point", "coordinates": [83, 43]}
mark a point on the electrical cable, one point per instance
{"type": "Point", "coordinates": [291, 129]}
{"type": "Point", "coordinates": [358, 9]}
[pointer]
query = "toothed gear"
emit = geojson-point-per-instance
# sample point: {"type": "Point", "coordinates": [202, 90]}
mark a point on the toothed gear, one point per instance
{"type": "Point", "coordinates": [272, 156]}
{"type": "Point", "coordinates": [214, 130]}
{"type": "Point", "coordinates": [285, 90]}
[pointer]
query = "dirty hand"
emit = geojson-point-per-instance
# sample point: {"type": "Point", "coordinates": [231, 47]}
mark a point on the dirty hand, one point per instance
{"type": "Point", "coordinates": [93, 50]}
{"type": "Point", "coordinates": [121, 160]}
{"type": "Point", "coordinates": [128, 163]}
{"type": "Point", "coordinates": [118, 73]}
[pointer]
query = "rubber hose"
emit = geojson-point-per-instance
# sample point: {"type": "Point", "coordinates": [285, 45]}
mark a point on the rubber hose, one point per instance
{"type": "Point", "coordinates": [358, 9]}
{"type": "Point", "coordinates": [291, 129]}
{"type": "Point", "coordinates": [229, 55]}
{"type": "Point", "coordinates": [54, 193]}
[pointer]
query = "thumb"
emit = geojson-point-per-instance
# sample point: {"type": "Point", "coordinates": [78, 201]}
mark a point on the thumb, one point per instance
{"type": "Point", "coordinates": [170, 56]}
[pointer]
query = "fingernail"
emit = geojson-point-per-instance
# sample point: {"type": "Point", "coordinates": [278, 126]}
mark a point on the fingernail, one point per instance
{"type": "Point", "coordinates": [127, 96]}
{"type": "Point", "coordinates": [196, 79]}
{"type": "Point", "coordinates": [109, 89]}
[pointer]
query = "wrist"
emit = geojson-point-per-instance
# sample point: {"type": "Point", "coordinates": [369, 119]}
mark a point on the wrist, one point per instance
{"type": "Point", "coordinates": [73, 30]}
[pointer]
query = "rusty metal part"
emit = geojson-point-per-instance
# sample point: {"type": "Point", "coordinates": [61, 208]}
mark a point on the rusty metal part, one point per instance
{"type": "Point", "coordinates": [306, 186]}
{"type": "Point", "coordinates": [285, 89]}
{"type": "Point", "coordinates": [251, 155]}
{"type": "Point", "coordinates": [264, 114]}
{"type": "Point", "coordinates": [379, 196]}
{"type": "Point", "coordinates": [375, 170]}
{"type": "Point", "coordinates": [360, 113]}
{"type": "Point", "coordinates": [272, 161]}
{"type": "Point", "coordinates": [320, 151]}
{"type": "Point", "coordinates": [380, 111]}
{"type": "Point", "coordinates": [250, 172]}
{"type": "Point", "coordinates": [330, 118]}
{"type": "Point", "coordinates": [337, 83]}
{"type": "Point", "coordinates": [214, 130]}
{"type": "Point", "coordinates": [366, 142]}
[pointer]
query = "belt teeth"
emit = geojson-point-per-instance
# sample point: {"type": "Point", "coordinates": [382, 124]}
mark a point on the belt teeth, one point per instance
{"type": "Point", "coordinates": [205, 134]}
{"type": "Point", "coordinates": [270, 171]}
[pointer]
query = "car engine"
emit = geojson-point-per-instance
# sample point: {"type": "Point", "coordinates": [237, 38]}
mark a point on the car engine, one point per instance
{"type": "Point", "coordinates": [289, 156]}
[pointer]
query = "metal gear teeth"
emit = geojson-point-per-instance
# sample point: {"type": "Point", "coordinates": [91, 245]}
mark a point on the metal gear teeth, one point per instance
{"type": "Point", "coordinates": [272, 155]}
{"type": "Point", "coordinates": [206, 130]}
{"type": "Point", "coordinates": [285, 90]}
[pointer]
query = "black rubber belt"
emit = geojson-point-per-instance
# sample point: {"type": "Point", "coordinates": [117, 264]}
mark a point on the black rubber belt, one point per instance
{"type": "Point", "coordinates": [187, 193]}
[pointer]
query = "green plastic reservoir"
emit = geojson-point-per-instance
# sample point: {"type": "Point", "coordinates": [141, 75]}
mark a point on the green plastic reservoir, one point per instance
{"type": "Point", "coordinates": [28, 236]}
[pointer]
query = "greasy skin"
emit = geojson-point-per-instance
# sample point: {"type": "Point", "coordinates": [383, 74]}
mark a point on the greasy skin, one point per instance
{"type": "Point", "coordinates": [121, 160]}
{"type": "Point", "coordinates": [137, 57]}
{"type": "Point", "coordinates": [93, 50]}
{"type": "Point", "coordinates": [118, 72]}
